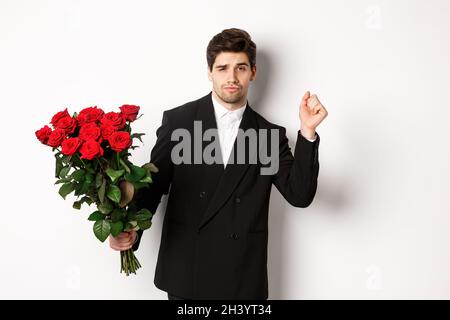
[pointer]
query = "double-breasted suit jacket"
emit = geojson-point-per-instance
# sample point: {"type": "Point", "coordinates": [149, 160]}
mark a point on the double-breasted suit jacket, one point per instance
{"type": "Point", "coordinates": [215, 230]}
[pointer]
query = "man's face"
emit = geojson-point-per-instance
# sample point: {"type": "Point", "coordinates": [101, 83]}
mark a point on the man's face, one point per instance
{"type": "Point", "coordinates": [231, 76]}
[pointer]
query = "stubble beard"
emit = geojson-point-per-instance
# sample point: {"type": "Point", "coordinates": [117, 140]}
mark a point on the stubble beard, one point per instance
{"type": "Point", "coordinates": [232, 97]}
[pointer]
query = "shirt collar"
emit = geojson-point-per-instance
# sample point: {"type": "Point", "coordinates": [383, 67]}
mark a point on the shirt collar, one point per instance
{"type": "Point", "coordinates": [221, 111]}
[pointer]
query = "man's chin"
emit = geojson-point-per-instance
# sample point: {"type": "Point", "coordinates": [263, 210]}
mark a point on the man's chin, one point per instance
{"type": "Point", "coordinates": [231, 97]}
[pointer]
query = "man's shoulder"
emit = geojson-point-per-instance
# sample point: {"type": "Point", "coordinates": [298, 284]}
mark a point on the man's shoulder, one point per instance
{"type": "Point", "coordinates": [187, 109]}
{"type": "Point", "coordinates": [263, 123]}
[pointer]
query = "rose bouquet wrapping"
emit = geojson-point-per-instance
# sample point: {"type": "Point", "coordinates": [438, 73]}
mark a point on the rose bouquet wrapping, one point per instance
{"type": "Point", "coordinates": [91, 152]}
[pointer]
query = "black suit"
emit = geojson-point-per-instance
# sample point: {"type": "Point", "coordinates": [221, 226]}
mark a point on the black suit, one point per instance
{"type": "Point", "coordinates": [215, 230]}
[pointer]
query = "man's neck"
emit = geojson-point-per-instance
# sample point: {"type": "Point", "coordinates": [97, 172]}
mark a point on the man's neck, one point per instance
{"type": "Point", "coordinates": [230, 106]}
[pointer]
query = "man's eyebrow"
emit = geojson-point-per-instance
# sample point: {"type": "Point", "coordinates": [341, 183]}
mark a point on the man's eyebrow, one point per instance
{"type": "Point", "coordinates": [239, 64]}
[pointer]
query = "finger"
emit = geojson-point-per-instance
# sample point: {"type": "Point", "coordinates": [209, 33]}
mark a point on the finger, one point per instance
{"type": "Point", "coordinates": [312, 101]}
{"type": "Point", "coordinates": [322, 111]}
{"type": "Point", "coordinates": [317, 108]}
{"type": "Point", "coordinates": [120, 243]}
{"type": "Point", "coordinates": [121, 249]}
{"type": "Point", "coordinates": [123, 235]}
{"type": "Point", "coordinates": [122, 246]}
{"type": "Point", "coordinates": [305, 98]}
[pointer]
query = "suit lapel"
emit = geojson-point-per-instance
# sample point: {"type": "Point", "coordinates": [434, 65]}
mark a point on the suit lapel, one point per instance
{"type": "Point", "coordinates": [233, 172]}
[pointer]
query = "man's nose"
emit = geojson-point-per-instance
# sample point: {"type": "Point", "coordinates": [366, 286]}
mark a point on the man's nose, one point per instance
{"type": "Point", "coordinates": [232, 76]}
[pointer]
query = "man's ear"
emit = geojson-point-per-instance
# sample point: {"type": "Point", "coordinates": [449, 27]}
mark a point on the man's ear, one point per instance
{"type": "Point", "coordinates": [209, 73]}
{"type": "Point", "coordinates": [253, 76]}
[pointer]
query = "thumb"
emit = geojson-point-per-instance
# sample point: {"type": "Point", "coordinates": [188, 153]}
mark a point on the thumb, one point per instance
{"type": "Point", "coordinates": [305, 98]}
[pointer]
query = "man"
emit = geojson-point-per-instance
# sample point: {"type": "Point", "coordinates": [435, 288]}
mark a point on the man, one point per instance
{"type": "Point", "coordinates": [215, 230]}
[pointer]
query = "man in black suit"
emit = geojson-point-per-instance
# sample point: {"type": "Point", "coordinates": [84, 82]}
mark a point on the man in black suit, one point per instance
{"type": "Point", "coordinates": [215, 229]}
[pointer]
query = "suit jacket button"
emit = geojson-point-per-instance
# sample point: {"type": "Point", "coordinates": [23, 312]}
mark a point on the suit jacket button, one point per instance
{"type": "Point", "coordinates": [234, 236]}
{"type": "Point", "coordinates": [202, 194]}
{"type": "Point", "coordinates": [238, 200]}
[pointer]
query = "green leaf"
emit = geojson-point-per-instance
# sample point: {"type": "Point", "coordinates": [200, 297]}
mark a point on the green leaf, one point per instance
{"type": "Point", "coordinates": [125, 166]}
{"type": "Point", "coordinates": [86, 199]}
{"type": "Point", "coordinates": [62, 180]}
{"type": "Point", "coordinates": [131, 225]}
{"type": "Point", "coordinates": [116, 228]}
{"type": "Point", "coordinates": [76, 161]}
{"type": "Point", "coordinates": [64, 171]}
{"type": "Point", "coordinates": [101, 191]}
{"type": "Point", "coordinates": [77, 205]}
{"type": "Point", "coordinates": [66, 189]}
{"type": "Point", "coordinates": [96, 216]}
{"type": "Point", "coordinates": [146, 179]}
{"type": "Point", "coordinates": [150, 167]}
{"type": "Point", "coordinates": [117, 214]}
{"type": "Point", "coordinates": [114, 174]}
{"type": "Point", "coordinates": [143, 214]}
{"type": "Point", "coordinates": [88, 166]}
{"type": "Point", "coordinates": [89, 178]}
{"type": "Point", "coordinates": [65, 159]}
{"type": "Point", "coordinates": [130, 213]}
{"type": "Point", "coordinates": [113, 193]}
{"type": "Point", "coordinates": [144, 224]}
{"type": "Point", "coordinates": [79, 175]}
{"type": "Point", "coordinates": [81, 188]}
{"type": "Point", "coordinates": [102, 229]}
{"type": "Point", "coordinates": [98, 180]}
{"type": "Point", "coordinates": [78, 187]}
{"type": "Point", "coordinates": [105, 207]}
{"type": "Point", "coordinates": [58, 166]}
{"type": "Point", "coordinates": [137, 173]}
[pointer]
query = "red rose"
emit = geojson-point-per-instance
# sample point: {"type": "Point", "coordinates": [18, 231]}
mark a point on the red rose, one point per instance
{"type": "Point", "coordinates": [120, 141]}
{"type": "Point", "coordinates": [43, 134]}
{"type": "Point", "coordinates": [90, 131]}
{"type": "Point", "coordinates": [130, 111]}
{"type": "Point", "coordinates": [91, 149]}
{"type": "Point", "coordinates": [107, 131]}
{"type": "Point", "coordinates": [88, 115]}
{"type": "Point", "coordinates": [59, 116]}
{"type": "Point", "coordinates": [70, 146]}
{"type": "Point", "coordinates": [56, 137]}
{"type": "Point", "coordinates": [115, 119]}
{"type": "Point", "coordinates": [68, 124]}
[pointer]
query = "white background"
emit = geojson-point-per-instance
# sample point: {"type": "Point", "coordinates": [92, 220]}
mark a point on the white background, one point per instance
{"type": "Point", "coordinates": [379, 225]}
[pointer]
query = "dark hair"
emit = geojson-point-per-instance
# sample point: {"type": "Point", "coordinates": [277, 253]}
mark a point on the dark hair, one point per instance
{"type": "Point", "coordinates": [231, 40]}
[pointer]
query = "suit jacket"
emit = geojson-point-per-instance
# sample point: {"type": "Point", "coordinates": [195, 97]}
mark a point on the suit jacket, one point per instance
{"type": "Point", "coordinates": [215, 229]}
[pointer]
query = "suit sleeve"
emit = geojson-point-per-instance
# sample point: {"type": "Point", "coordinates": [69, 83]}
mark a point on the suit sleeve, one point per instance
{"type": "Point", "coordinates": [150, 197]}
{"type": "Point", "coordinates": [296, 178]}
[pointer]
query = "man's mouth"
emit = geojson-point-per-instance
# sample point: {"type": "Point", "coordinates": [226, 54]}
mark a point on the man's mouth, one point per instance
{"type": "Point", "coordinates": [232, 89]}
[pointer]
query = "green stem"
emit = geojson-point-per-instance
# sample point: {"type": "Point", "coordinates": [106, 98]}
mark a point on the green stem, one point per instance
{"type": "Point", "coordinates": [81, 160]}
{"type": "Point", "coordinates": [127, 169]}
{"type": "Point", "coordinates": [99, 163]}
{"type": "Point", "coordinates": [121, 261]}
{"type": "Point", "coordinates": [129, 262]}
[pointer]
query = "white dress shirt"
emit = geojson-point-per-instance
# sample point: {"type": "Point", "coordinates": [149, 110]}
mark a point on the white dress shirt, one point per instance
{"type": "Point", "coordinates": [227, 126]}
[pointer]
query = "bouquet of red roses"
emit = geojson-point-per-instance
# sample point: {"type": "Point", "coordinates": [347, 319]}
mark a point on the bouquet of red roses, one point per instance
{"type": "Point", "coordinates": [91, 151]}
